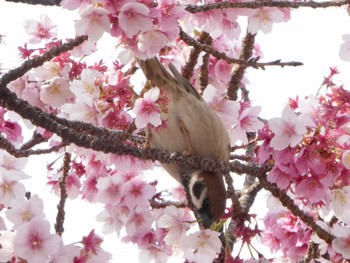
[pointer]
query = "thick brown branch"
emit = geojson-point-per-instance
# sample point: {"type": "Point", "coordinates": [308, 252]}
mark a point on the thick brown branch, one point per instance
{"type": "Point", "coordinates": [221, 55]}
{"type": "Point", "coordinates": [63, 195]}
{"type": "Point", "coordinates": [261, 4]}
{"type": "Point", "coordinates": [187, 71]}
{"type": "Point", "coordinates": [238, 72]}
{"type": "Point", "coordinates": [38, 2]}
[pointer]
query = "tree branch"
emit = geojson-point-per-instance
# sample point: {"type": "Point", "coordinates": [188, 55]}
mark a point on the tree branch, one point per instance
{"type": "Point", "coordinates": [18, 153]}
{"type": "Point", "coordinates": [238, 72]}
{"type": "Point", "coordinates": [288, 203]}
{"type": "Point", "coordinates": [63, 195]}
{"type": "Point", "coordinates": [38, 61]}
{"type": "Point", "coordinates": [261, 4]}
{"type": "Point", "coordinates": [221, 55]}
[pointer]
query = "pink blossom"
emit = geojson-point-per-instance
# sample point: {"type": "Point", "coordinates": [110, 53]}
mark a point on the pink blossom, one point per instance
{"type": "Point", "coordinates": [344, 52]}
{"type": "Point", "coordinates": [109, 189]}
{"type": "Point", "coordinates": [133, 18]}
{"type": "Point", "coordinates": [34, 242]}
{"type": "Point", "coordinates": [312, 188]}
{"type": "Point", "coordinates": [174, 225]}
{"type": "Point", "coordinates": [40, 30]}
{"type": "Point", "coordinates": [280, 176]}
{"type": "Point", "coordinates": [114, 218]}
{"type": "Point", "coordinates": [12, 130]}
{"type": "Point", "coordinates": [263, 19]}
{"type": "Point", "coordinates": [146, 109]}
{"type": "Point", "coordinates": [87, 89]}
{"type": "Point", "coordinates": [10, 189]}
{"type": "Point", "coordinates": [92, 242]}
{"type": "Point", "coordinates": [341, 203]}
{"type": "Point", "coordinates": [341, 243]}
{"type": "Point", "coordinates": [24, 210]}
{"type": "Point", "coordinates": [81, 111]}
{"type": "Point", "coordinates": [94, 22]}
{"type": "Point", "coordinates": [201, 246]}
{"type": "Point", "coordinates": [84, 49]}
{"type": "Point", "coordinates": [137, 193]}
{"type": "Point", "coordinates": [73, 4]}
{"type": "Point", "coordinates": [227, 110]}
{"type": "Point", "coordinates": [48, 71]}
{"type": "Point", "coordinates": [66, 254]}
{"type": "Point", "coordinates": [139, 221]}
{"type": "Point", "coordinates": [346, 159]}
{"type": "Point", "coordinates": [289, 130]}
{"type": "Point", "coordinates": [56, 93]}
{"type": "Point", "coordinates": [247, 122]}
{"type": "Point", "coordinates": [153, 254]}
{"type": "Point", "coordinates": [6, 245]}
{"type": "Point", "coordinates": [151, 42]}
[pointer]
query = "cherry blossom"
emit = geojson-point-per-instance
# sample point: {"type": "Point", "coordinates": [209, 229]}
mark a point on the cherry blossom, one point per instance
{"type": "Point", "coordinates": [173, 223]}
{"type": "Point", "coordinates": [146, 109]}
{"type": "Point", "coordinates": [39, 31]}
{"type": "Point", "coordinates": [342, 240]}
{"type": "Point", "coordinates": [289, 130]}
{"type": "Point", "coordinates": [87, 89]}
{"type": "Point", "coordinates": [26, 210]}
{"type": "Point", "coordinates": [94, 22]}
{"type": "Point", "coordinates": [137, 193]}
{"type": "Point", "coordinates": [109, 189]}
{"type": "Point", "coordinates": [201, 246]}
{"type": "Point", "coordinates": [263, 19]}
{"type": "Point", "coordinates": [6, 245]}
{"type": "Point", "coordinates": [150, 42]}
{"type": "Point", "coordinates": [34, 242]}
{"type": "Point", "coordinates": [247, 122]}
{"type": "Point", "coordinates": [138, 222]}
{"type": "Point", "coordinates": [341, 203]}
{"type": "Point", "coordinates": [133, 18]}
{"type": "Point", "coordinates": [344, 52]}
{"type": "Point", "coordinates": [56, 93]}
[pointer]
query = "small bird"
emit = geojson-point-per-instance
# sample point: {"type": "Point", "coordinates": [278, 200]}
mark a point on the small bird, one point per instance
{"type": "Point", "coordinates": [191, 128]}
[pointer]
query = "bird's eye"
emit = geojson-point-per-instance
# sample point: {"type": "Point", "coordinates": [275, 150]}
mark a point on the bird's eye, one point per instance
{"type": "Point", "coordinates": [198, 188]}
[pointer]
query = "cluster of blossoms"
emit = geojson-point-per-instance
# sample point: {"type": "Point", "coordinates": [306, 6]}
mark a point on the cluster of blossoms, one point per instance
{"type": "Point", "coordinates": [308, 146]}
{"type": "Point", "coordinates": [145, 27]}
{"type": "Point", "coordinates": [30, 239]}
{"type": "Point", "coordinates": [102, 96]}
{"type": "Point", "coordinates": [309, 149]}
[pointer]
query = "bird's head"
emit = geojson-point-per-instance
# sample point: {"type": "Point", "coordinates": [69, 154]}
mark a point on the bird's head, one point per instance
{"type": "Point", "coordinates": [208, 194]}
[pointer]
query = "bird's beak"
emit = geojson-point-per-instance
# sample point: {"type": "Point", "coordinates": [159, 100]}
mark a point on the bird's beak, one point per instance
{"type": "Point", "coordinates": [206, 218]}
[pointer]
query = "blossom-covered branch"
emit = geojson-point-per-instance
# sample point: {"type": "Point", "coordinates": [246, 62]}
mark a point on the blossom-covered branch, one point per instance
{"type": "Point", "coordinates": [221, 55]}
{"type": "Point", "coordinates": [38, 61]}
{"type": "Point", "coordinates": [261, 4]}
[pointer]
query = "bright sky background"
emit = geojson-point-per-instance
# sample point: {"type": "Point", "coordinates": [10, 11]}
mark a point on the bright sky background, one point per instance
{"type": "Point", "coordinates": [313, 37]}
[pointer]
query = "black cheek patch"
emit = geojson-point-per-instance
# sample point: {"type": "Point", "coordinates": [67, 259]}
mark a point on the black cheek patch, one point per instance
{"type": "Point", "coordinates": [197, 189]}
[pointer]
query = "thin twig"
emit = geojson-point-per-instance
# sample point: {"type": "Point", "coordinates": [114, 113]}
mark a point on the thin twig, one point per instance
{"type": "Point", "coordinates": [18, 153]}
{"type": "Point", "coordinates": [63, 195]}
{"type": "Point", "coordinates": [221, 55]}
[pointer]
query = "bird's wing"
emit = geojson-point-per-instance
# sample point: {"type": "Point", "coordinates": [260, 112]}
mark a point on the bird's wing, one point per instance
{"type": "Point", "coordinates": [160, 77]}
